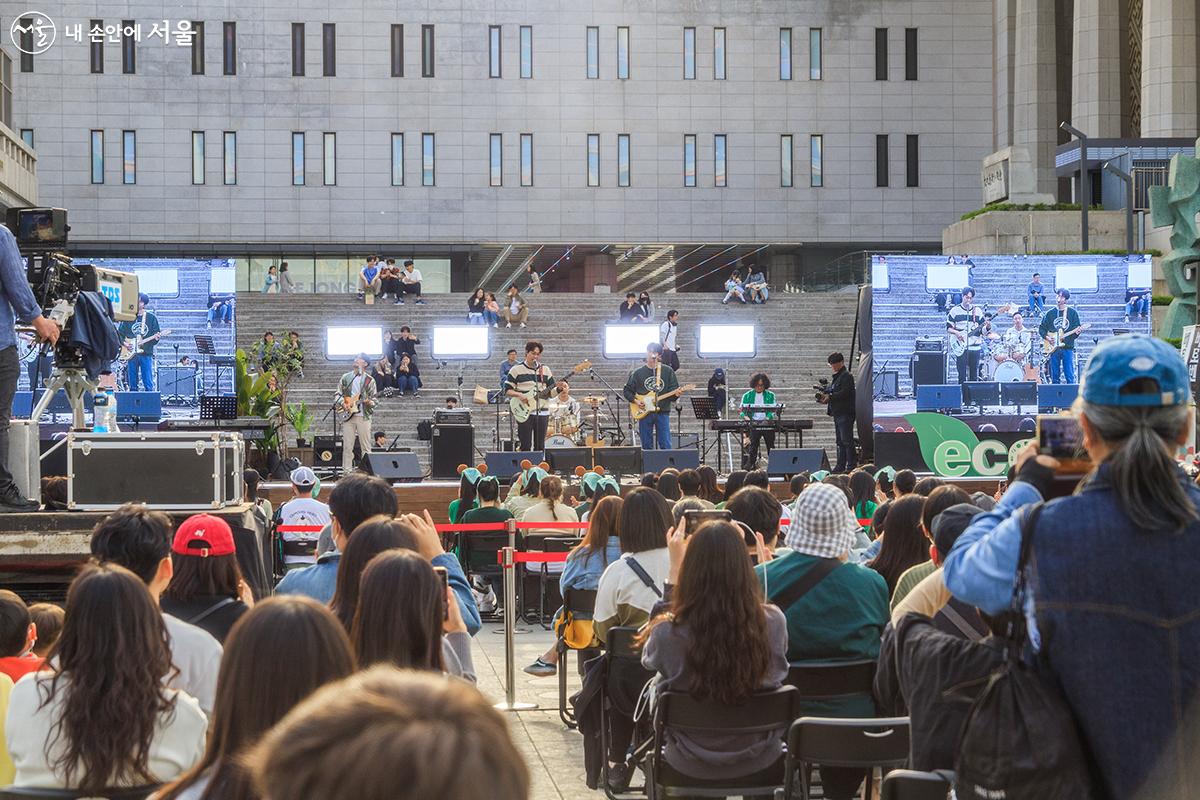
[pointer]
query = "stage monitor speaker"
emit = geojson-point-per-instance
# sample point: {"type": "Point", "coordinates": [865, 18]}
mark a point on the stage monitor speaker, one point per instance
{"type": "Point", "coordinates": [564, 460]}
{"type": "Point", "coordinates": [887, 383]}
{"type": "Point", "coordinates": [327, 451]}
{"type": "Point", "coordinates": [23, 463]}
{"type": "Point", "coordinates": [450, 446]}
{"type": "Point", "coordinates": [620, 460]}
{"type": "Point", "coordinates": [24, 401]}
{"type": "Point", "coordinates": [508, 463]}
{"type": "Point", "coordinates": [928, 368]}
{"type": "Point", "coordinates": [139, 406]}
{"type": "Point", "coordinates": [177, 381]}
{"type": "Point", "coordinates": [1052, 397]}
{"type": "Point", "coordinates": [393, 467]}
{"type": "Point", "coordinates": [686, 441]}
{"type": "Point", "coordinates": [940, 397]}
{"type": "Point", "coordinates": [788, 462]}
{"type": "Point", "coordinates": [658, 460]}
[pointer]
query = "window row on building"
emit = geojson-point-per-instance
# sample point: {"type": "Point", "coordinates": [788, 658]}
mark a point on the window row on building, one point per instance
{"type": "Point", "coordinates": [128, 34]}
{"type": "Point", "coordinates": [496, 176]}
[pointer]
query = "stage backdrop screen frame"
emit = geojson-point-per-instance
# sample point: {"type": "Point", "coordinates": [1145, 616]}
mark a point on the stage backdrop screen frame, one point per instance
{"type": "Point", "coordinates": [630, 340]}
{"type": "Point", "coordinates": [344, 342]}
{"type": "Point", "coordinates": [461, 343]}
{"type": "Point", "coordinates": [727, 341]}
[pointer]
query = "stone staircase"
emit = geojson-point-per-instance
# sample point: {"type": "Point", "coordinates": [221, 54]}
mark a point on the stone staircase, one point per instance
{"type": "Point", "coordinates": [795, 334]}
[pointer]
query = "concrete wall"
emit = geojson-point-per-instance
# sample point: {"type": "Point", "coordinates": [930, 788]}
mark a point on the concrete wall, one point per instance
{"type": "Point", "coordinates": [1017, 232]}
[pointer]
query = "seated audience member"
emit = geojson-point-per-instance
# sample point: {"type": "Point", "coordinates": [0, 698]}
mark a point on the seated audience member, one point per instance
{"type": "Point", "coordinates": [759, 511]}
{"type": "Point", "coordinates": [427, 738]}
{"type": "Point", "coordinates": [369, 280]}
{"type": "Point", "coordinates": [841, 617]}
{"type": "Point", "coordinates": [18, 637]}
{"type": "Point", "coordinates": [926, 485]}
{"type": "Point", "coordinates": [939, 500]}
{"type": "Point", "coordinates": [668, 484]}
{"type": "Point", "coordinates": [525, 496]}
{"type": "Point", "coordinates": [476, 306]}
{"type": "Point", "coordinates": [280, 652]}
{"type": "Point", "coordinates": [489, 509]}
{"type": "Point", "coordinates": [756, 287]}
{"type": "Point", "coordinates": [681, 507]}
{"type": "Point", "coordinates": [1110, 570]}
{"type": "Point", "coordinates": [49, 621]}
{"type": "Point", "coordinates": [646, 314]}
{"type": "Point", "coordinates": [984, 500]}
{"type": "Point", "coordinates": [585, 564]}
{"type": "Point", "coordinates": [468, 480]}
{"type": "Point", "coordinates": [630, 310]}
{"type": "Point", "coordinates": [408, 376]}
{"type": "Point", "coordinates": [101, 716]}
{"type": "Point", "coordinates": [904, 545]}
{"type": "Point", "coordinates": [515, 308]}
{"type": "Point", "coordinates": [410, 283]}
{"type": "Point", "coordinates": [355, 498]}
{"type": "Point", "coordinates": [862, 494]}
{"type": "Point", "coordinates": [588, 482]}
{"type": "Point", "coordinates": [406, 617]}
{"type": "Point", "coordinates": [708, 485]}
{"type": "Point", "coordinates": [885, 483]}
{"type": "Point", "coordinates": [734, 481]}
{"type": "Point", "coordinates": [734, 288]}
{"type": "Point", "coordinates": [389, 281]}
{"type": "Point", "coordinates": [879, 522]}
{"type": "Point", "coordinates": [904, 483]}
{"type": "Point", "coordinates": [690, 486]}
{"type": "Point", "coordinates": [384, 374]}
{"type": "Point", "coordinates": [930, 597]}
{"type": "Point", "coordinates": [798, 484]}
{"type": "Point", "coordinates": [304, 509]}
{"type": "Point", "coordinates": [650, 480]}
{"type": "Point", "coordinates": [491, 311]}
{"type": "Point", "coordinates": [206, 588]}
{"type": "Point", "coordinates": [550, 508]}
{"type": "Point", "coordinates": [139, 540]}
{"type": "Point", "coordinates": [841, 481]}
{"type": "Point", "coordinates": [606, 487]}
{"type": "Point", "coordinates": [719, 642]}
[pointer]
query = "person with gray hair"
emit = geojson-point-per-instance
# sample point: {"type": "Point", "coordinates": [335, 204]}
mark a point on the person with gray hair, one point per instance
{"type": "Point", "coordinates": [1113, 563]}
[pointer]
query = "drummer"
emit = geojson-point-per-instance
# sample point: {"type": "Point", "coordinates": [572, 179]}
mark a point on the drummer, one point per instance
{"type": "Point", "coordinates": [1018, 341]}
{"type": "Point", "coordinates": [564, 411]}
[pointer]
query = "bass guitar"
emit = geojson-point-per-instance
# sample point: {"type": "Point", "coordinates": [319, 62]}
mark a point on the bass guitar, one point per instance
{"type": "Point", "coordinates": [1056, 341]}
{"type": "Point", "coordinates": [133, 345]}
{"type": "Point", "coordinates": [646, 404]}
{"type": "Point", "coordinates": [521, 407]}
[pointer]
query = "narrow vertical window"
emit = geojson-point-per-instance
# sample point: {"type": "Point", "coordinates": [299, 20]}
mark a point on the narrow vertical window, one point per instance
{"type": "Point", "coordinates": [689, 54]}
{"type": "Point", "coordinates": [97, 46]}
{"type": "Point", "coordinates": [593, 53]}
{"type": "Point", "coordinates": [297, 49]}
{"type": "Point", "coordinates": [718, 54]}
{"type": "Point", "coordinates": [689, 159]}
{"type": "Point", "coordinates": [719, 175]}
{"type": "Point", "coordinates": [297, 158]}
{"type": "Point", "coordinates": [229, 152]}
{"type": "Point", "coordinates": [128, 157]}
{"type": "Point", "coordinates": [27, 137]}
{"type": "Point", "coordinates": [623, 53]}
{"type": "Point", "coordinates": [912, 164]}
{"type": "Point", "coordinates": [814, 54]}
{"type": "Point", "coordinates": [494, 51]}
{"type": "Point", "coordinates": [910, 54]}
{"type": "Point", "coordinates": [881, 54]}
{"type": "Point", "coordinates": [816, 172]}
{"type": "Point", "coordinates": [496, 159]}
{"type": "Point", "coordinates": [428, 172]}
{"type": "Point", "coordinates": [329, 49]}
{"type": "Point", "coordinates": [426, 51]}
{"type": "Point", "coordinates": [128, 53]}
{"type": "Point", "coordinates": [197, 158]}
{"type": "Point", "coordinates": [622, 159]}
{"type": "Point", "coordinates": [526, 51]}
{"type": "Point", "coordinates": [397, 51]}
{"type": "Point", "coordinates": [397, 159]}
{"type": "Point", "coordinates": [881, 160]}
{"type": "Point", "coordinates": [197, 48]}
{"type": "Point", "coordinates": [97, 156]}
{"type": "Point", "coordinates": [785, 160]}
{"type": "Point", "coordinates": [785, 54]}
{"type": "Point", "coordinates": [26, 48]}
{"type": "Point", "coordinates": [593, 159]}
{"type": "Point", "coordinates": [329, 149]}
{"type": "Point", "coordinates": [229, 47]}
{"type": "Point", "coordinates": [527, 159]}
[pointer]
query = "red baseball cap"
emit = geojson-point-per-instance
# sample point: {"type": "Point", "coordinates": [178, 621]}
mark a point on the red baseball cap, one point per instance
{"type": "Point", "coordinates": [203, 535]}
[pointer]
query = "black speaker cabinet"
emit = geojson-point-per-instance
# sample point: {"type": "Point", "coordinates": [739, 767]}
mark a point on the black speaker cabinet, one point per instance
{"type": "Point", "coordinates": [928, 368]}
{"type": "Point", "coordinates": [658, 460]}
{"type": "Point", "coordinates": [393, 467]}
{"type": "Point", "coordinates": [788, 462]}
{"type": "Point", "coordinates": [450, 446]}
{"type": "Point", "coordinates": [327, 451]}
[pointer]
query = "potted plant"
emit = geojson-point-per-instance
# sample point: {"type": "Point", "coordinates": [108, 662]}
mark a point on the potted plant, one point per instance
{"type": "Point", "coordinates": [301, 419]}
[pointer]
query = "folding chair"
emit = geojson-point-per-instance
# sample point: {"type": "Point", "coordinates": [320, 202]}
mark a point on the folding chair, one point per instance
{"type": "Point", "coordinates": [576, 602]}
{"type": "Point", "coordinates": [548, 579]}
{"type": "Point", "coordinates": [477, 552]}
{"type": "Point", "coordinates": [763, 712]}
{"type": "Point", "coordinates": [32, 793]}
{"type": "Point", "coordinates": [624, 670]}
{"type": "Point", "coordinates": [836, 742]}
{"type": "Point", "coordinates": [831, 680]}
{"type": "Point", "coordinates": [907, 784]}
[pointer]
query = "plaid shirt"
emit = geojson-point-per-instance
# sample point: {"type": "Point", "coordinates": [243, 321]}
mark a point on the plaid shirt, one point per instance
{"type": "Point", "coordinates": [822, 523]}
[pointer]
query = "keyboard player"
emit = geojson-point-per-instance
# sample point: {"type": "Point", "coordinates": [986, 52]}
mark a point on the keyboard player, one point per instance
{"type": "Point", "coordinates": [758, 405]}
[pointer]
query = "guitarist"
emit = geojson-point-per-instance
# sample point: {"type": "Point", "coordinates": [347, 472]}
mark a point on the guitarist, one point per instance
{"type": "Point", "coordinates": [964, 322]}
{"type": "Point", "coordinates": [1061, 323]}
{"type": "Point", "coordinates": [357, 393]}
{"type": "Point", "coordinates": [532, 381]}
{"type": "Point", "coordinates": [654, 429]}
{"type": "Point", "coordinates": [144, 330]}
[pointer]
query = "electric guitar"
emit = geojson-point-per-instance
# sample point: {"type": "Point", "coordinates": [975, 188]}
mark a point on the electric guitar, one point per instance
{"type": "Point", "coordinates": [347, 408]}
{"type": "Point", "coordinates": [132, 346]}
{"type": "Point", "coordinates": [643, 405]}
{"type": "Point", "coordinates": [1056, 340]}
{"type": "Point", "coordinates": [521, 407]}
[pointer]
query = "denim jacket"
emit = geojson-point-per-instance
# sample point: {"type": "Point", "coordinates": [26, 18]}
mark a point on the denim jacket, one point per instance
{"type": "Point", "coordinates": [1118, 613]}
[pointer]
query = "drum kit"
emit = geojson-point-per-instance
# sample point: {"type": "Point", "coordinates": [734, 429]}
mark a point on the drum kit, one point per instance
{"type": "Point", "coordinates": [564, 431]}
{"type": "Point", "coordinates": [1002, 362]}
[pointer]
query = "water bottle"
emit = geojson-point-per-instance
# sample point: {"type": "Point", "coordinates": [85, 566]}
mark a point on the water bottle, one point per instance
{"type": "Point", "coordinates": [110, 412]}
{"type": "Point", "coordinates": [104, 412]}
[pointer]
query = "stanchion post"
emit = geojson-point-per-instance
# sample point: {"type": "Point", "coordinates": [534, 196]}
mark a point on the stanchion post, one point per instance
{"type": "Point", "coordinates": [510, 602]}
{"type": "Point", "coordinates": [508, 565]}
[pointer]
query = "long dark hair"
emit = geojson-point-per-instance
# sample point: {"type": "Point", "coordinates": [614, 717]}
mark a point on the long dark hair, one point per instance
{"type": "Point", "coordinates": [401, 606]}
{"type": "Point", "coordinates": [277, 654]}
{"type": "Point", "coordinates": [668, 484]}
{"type": "Point", "coordinates": [645, 518]}
{"type": "Point", "coordinates": [708, 484]}
{"type": "Point", "coordinates": [368, 540]}
{"type": "Point", "coordinates": [862, 488]}
{"type": "Point", "coordinates": [109, 663]}
{"type": "Point", "coordinates": [905, 544]}
{"type": "Point", "coordinates": [721, 601]}
{"type": "Point", "coordinates": [467, 492]}
{"type": "Point", "coordinates": [196, 576]}
{"type": "Point", "coordinates": [735, 481]}
{"type": "Point", "coordinates": [603, 524]}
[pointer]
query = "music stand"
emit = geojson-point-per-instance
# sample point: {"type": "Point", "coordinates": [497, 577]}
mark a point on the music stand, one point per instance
{"type": "Point", "coordinates": [705, 408]}
{"type": "Point", "coordinates": [219, 407]}
{"type": "Point", "coordinates": [205, 347]}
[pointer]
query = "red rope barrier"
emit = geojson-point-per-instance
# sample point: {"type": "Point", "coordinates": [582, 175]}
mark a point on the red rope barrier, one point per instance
{"type": "Point", "coordinates": [500, 527]}
{"type": "Point", "coordinates": [299, 528]}
{"type": "Point", "coordinates": [538, 558]}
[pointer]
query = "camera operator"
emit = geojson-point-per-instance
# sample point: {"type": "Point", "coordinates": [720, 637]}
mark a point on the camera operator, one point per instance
{"type": "Point", "coordinates": [840, 394]}
{"type": "Point", "coordinates": [19, 306]}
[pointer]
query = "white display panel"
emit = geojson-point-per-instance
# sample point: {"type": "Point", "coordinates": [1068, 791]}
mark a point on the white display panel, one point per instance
{"type": "Point", "coordinates": [346, 342]}
{"type": "Point", "coordinates": [1076, 278]}
{"type": "Point", "coordinates": [947, 277]}
{"type": "Point", "coordinates": [879, 276]}
{"type": "Point", "coordinates": [461, 342]}
{"type": "Point", "coordinates": [222, 281]}
{"type": "Point", "coordinates": [628, 341]}
{"type": "Point", "coordinates": [726, 341]}
{"type": "Point", "coordinates": [1139, 275]}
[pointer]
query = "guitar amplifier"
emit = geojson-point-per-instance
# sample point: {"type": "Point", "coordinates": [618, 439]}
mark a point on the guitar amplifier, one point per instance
{"type": "Point", "coordinates": [930, 344]}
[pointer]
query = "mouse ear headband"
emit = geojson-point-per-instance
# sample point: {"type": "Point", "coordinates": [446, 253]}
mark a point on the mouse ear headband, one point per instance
{"type": "Point", "coordinates": [528, 470]}
{"type": "Point", "coordinates": [472, 474]}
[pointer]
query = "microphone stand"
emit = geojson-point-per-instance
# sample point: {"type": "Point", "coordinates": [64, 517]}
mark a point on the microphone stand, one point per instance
{"type": "Point", "coordinates": [617, 414]}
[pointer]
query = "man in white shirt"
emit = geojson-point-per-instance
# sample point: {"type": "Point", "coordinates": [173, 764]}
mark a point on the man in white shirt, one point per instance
{"type": "Point", "coordinates": [303, 510]}
{"type": "Point", "coordinates": [667, 335]}
{"type": "Point", "coordinates": [410, 282]}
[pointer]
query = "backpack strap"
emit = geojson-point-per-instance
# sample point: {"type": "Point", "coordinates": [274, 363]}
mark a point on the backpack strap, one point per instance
{"type": "Point", "coordinates": [960, 622]}
{"type": "Point", "coordinates": [815, 574]}
{"type": "Point", "coordinates": [206, 613]}
{"type": "Point", "coordinates": [644, 576]}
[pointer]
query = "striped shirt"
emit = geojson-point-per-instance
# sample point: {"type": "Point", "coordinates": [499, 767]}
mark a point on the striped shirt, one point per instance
{"type": "Point", "coordinates": [524, 379]}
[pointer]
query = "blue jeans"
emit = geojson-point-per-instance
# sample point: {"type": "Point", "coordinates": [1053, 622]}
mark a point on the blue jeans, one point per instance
{"type": "Point", "coordinates": [1139, 305]}
{"type": "Point", "coordinates": [1037, 303]}
{"type": "Point", "coordinates": [139, 367]}
{"type": "Point", "coordinates": [655, 431]}
{"type": "Point", "coordinates": [1062, 364]}
{"type": "Point", "coordinates": [475, 318]}
{"type": "Point", "coordinates": [406, 383]}
{"type": "Point", "coordinates": [491, 318]}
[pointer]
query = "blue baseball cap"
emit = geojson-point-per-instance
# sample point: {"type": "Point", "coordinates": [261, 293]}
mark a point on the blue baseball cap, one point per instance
{"type": "Point", "coordinates": [1119, 360]}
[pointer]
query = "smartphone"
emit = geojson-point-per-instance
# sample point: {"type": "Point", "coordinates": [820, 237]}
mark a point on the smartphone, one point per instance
{"type": "Point", "coordinates": [1060, 437]}
{"type": "Point", "coordinates": [444, 576]}
{"type": "Point", "coordinates": [697, 518]}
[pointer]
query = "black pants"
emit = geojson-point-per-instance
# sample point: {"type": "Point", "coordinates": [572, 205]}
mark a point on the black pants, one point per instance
{"type": "Point", "coordinates": [968, 366]}
{"type": "Point", "coordinates": [757, 436]}
{"type": "Point", "coordinates": [671, 359]}
{"type": "Point", "coordinates": [10, 369]}
{"type": "Point", "coordinates": [390, 286]}
{"type": "Point", "coordinates": [532, 432]}
{"type": "Point", "coordinates": [411, 288]}
{"type": "Point", "coordinates": [843, 428]}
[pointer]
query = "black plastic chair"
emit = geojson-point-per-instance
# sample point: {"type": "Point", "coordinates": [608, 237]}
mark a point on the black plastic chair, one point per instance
{"type": "Point", "coordinates": [477, 552]}
{"type": "Point", "coordinates": [546, 579]}
{"type": "Point", "coordinates": [837, 742]}
{"type": "Point", "coordinates": [763, 712]}
{"type": "Point", "coordinates": [624, 667]}
{"type": "Point", "coordinates": [907, 784]}
{"type": "Point", "coordinates": [33, 793]}
{"type": "Point", "coordinates": [575, 602]}
{"type": "Point", "coordinates": [830, 680]}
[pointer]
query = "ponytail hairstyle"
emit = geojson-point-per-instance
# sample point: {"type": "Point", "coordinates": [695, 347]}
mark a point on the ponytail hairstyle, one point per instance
{"type": "Point", "coordinates": [1143, 471]}
{"type": "Point", "coordinates": [552, 490]}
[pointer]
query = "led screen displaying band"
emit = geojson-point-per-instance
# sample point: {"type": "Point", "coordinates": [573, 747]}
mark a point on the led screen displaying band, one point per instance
{"type": "Point", "coordinates": [461, 342]}
{"type": "Point", "coordinates": [628, 341]}
{"type": "Point", "coordinates": [347, 342]}
{"type": "Point", "coordinates": [726, 341]}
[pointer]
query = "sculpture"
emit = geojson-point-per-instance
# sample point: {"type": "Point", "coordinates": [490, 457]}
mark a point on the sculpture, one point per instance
{"type": "Point", "coordinates": [1177, 204]}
